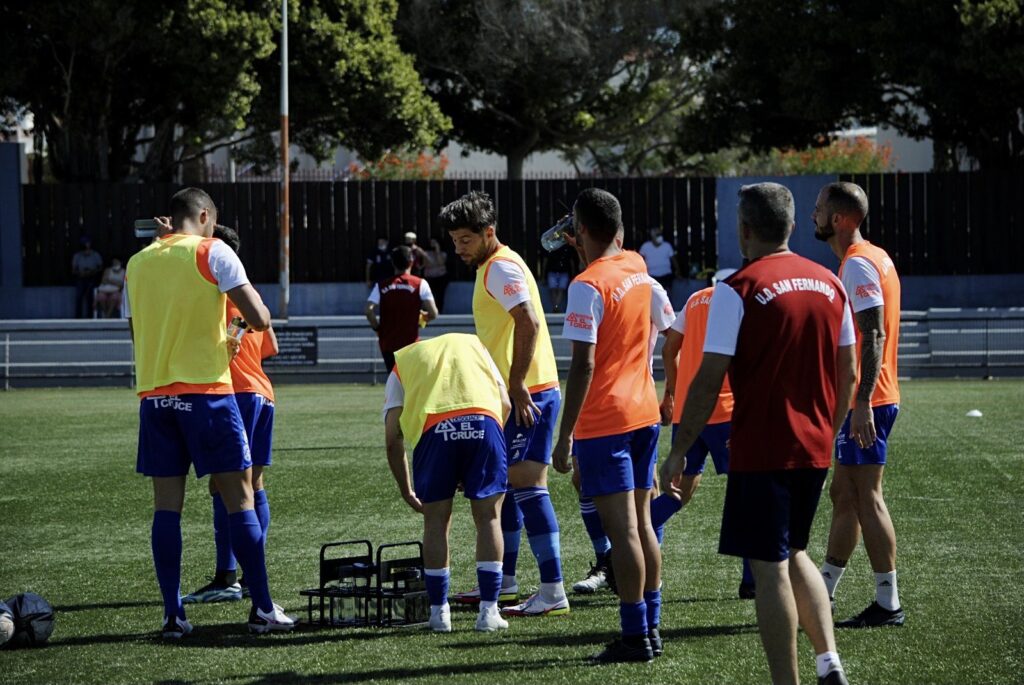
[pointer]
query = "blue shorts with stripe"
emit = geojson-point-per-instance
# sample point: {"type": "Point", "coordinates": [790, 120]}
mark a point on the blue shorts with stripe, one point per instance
{"type": "Point", "coordinates": [618, 463]}
{"type": "Point", "coordinates": [848, 453]}
{"type": "Point", "coordinates": [179, 431]}
{"type": "Point", "coordinates": [534, 443]}
{"type": "Point", "coordinates": [258, 417]}
{"type": "Point", "coordinates": [713, 440]}
{"type": "Point", "coordinates": [467, 449]}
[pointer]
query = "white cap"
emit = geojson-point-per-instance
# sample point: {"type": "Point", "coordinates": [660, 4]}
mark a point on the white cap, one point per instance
{"type": "Point", "coordinates": [410, 236]}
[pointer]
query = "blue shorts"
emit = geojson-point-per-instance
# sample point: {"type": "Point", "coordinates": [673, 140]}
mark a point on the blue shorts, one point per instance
{"type": "Point", "coordinates": [205, 431]}
{"type": "Point", "coordinates": [258, 417]}
{"type": "Point", "coordinates": [618, 463]}
{"type": "Point", "coordinates": [768, 513]}
{"type": "Point", "coordinates": [534, 443]}
{"type": "Point", "coordinates": [713, 440]}
{"type": "Point", "coordinates": [848, 453]}
{"type": "Point", "coordinates": [466, 449]}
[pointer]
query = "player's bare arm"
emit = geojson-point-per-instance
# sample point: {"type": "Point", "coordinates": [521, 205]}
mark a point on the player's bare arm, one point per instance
{"type": "Point", "coordinates": [524, 344]}
{"type": "Point", "coordinates": [399, 465]}
{"type": "Point", "coordinates": [370, 311]}
{"type": "Point", "coordinates": [429, 312]}
{"type": "Point", "coordinates": [700, 402]}
{"type": "Point", "coordinates": [581, 373]}
{"type": "Point", "coordinates": [670, 357]}
{"type": "Point", "coordinates": [846, 380]}
{"type": "Point", "coordinates": [871, 324]}
{"type": "Point", "coordinates": [251, 305]}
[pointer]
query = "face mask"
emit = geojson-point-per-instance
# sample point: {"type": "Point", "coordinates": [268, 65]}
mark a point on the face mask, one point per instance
{"type": "Point", "coordinates": [658, 240]}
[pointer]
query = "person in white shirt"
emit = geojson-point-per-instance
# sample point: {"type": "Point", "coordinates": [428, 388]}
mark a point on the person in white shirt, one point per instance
{"type": "Point", "coordinates": [660, 258]}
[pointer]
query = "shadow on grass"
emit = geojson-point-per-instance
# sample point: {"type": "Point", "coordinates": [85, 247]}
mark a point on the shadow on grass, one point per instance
{"type": "Point", "coordinates": [105, 605]}
{"type": "Point", "coordinates": [598, 638]}
{"type": "Point", "coordinates": [401, 674]}
{"type": "Point", "coordinates": [221, 635]}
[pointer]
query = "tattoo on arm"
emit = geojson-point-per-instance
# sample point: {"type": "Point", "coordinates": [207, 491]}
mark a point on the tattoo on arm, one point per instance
{"type": "Point", "coordinates": [870, 323]}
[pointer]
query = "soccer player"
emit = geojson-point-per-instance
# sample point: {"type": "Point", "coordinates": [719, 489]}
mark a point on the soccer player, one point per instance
{"type": "Point", "coordinates": [611, 411]}
{"type": "Point", "coordinates": [781, 326]}
{"type": "Point", "coordinates": [255, 397]}
{"type": "Point", "coordinates": [681, 356]}
{"type": "Point", "coordinates": [188, 413]}
{"type": "Point", "coordinates": [873, 285]}
{"type": "Point", "coordinates": [404, 302]}
{"type": "Point", "coordinates": [509, 320]}
{"type": "Point", "coordinates": [447, 400]}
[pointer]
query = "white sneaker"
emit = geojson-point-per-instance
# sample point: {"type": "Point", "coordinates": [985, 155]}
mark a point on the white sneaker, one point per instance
{"type": "Point", "coordinates": [263, 622]}
{"type": "Point", "coordinates": [505, 595]}
{"type": "Point", "coordinates": [536, 606]}
{"type": "Point", "coordinates": [441, 619]}
{"type": "Point", "coordinates": [490, 620]}
{"type": "Point", "coordinates": [175, 628]}
{"type": "Point", "coordinates": [595, 580]}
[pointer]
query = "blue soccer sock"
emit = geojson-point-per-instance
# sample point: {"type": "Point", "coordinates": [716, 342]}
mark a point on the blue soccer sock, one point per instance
{"type": "Point", "coordinates": [542, 530]}
{"type": "Point", "coordinates": [222, 537]}
{"type": "Point", "coordinates": [262, 506]}
{"type": "Point", "coordinates": [437, 585]}
{"type": "Point", "coordinates": [662, 508]}
{"type": "Point", "coordinates": [511, 531]}
{"type": "Point", "coordinates": [166, 542]}
{"type": "Point", "coordinates": [488, 579]}
{"type": "Point", "coordinates": [633, 618]}
{"type": "Point", "coordinates": [748, 574]}
{"type": "Point", "coordinates": [652, 599]}
{"type": "Point", "coordinates": [595, 531]}
{"type": "Point", "coordinates": [247, 542]}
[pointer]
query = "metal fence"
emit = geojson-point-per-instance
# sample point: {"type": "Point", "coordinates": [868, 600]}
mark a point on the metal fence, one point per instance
{"type": "Point", "coordinates": [939, 342]}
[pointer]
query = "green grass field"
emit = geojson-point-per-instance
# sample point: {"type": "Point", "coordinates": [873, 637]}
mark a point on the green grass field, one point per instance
{"type": "Point", "coordinates": [75, 518]}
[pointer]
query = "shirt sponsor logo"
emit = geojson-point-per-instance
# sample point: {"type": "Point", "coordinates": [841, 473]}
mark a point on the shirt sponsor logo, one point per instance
{"type": "Point", "coordinates": [175, 403]}
{"type": "Point", "coordinates": [465, 430]}
{"type": "Point", "coordinates": [398, 286]}
{"type": "Point", "coordinates": [867, 290]}
{"type": "Point", "coordinates": [584, 322]}
{"type": "Point", "coordinates": [790, 285]}
{"type": "Point", "coordinates": [702, 300]}
{"type": "Point", "coordinates": [628, 284]}
{"type": "Point", "coordinates": [514, 288]}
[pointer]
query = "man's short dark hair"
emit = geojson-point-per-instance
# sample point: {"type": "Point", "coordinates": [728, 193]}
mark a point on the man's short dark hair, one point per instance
{"type": "Point", "coordinates": [847, 198]}
{"type": "Point", "coordinates": [600, 212]}
{"type": "Point", "coordinates": [229, 236]}
{"type": "Point", "coordinates": [768, 210]}
{"type": "Point", "coordinates": [474, 211]}
{"type": "Point", "coordinates": [401, 258]}
{"type": "Point", "coordinates": [189, 203]}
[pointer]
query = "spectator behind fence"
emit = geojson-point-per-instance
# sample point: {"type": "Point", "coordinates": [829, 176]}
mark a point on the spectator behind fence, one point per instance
{"type": "Point", "coordinates": [660, 258]}
{"type": "Point", "coordinates": [419, 256]}
{"type": "Point", "coordinates": [110, 290]}
{"type": "Point", "coordinates": [378, 262]}
{"type": "Point", "coordinates": [397, 306]}
{"type": "Point", "coordinates": [86, 266]}
{"type": "Point", "coordinates": [435, 270]}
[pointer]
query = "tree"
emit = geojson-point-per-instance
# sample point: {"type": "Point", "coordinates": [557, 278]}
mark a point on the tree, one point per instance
{"type": "Point", "coordinates": [524, 76]}
{"type": "Point", "coordinates": [196, 75]}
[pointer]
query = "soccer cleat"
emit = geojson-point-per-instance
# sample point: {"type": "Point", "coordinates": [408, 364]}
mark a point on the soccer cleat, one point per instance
{"type": "Point", "coordinates": [834, 677]}
{"type": "Point", "coordinates": [490, 621]}
{"type": "Point", "coordinates": [874, 616]}
{"type": "Point", "coordinates": [595, 580]}
{"type": "Point", "coordinates": [536, 606]}
{"type": "Point", "coordinates": [264, 622]}
{"type": "Point", "coordinates": [609, 574]}
{"type": "Point", "coordinates": [638, 649]}
{"type": "Point", "coordinates": [506, 595]}
{"type": "Point", "coordinates": [175, 628]}
{"type": "Point", "coordinates": [747, 591]}
{"type": "Point", "coordinates": [441, 619]}
{"type": "Point", "coordinates": [657, 646]}
{"type": "Point", "coordinates": [214, 591]}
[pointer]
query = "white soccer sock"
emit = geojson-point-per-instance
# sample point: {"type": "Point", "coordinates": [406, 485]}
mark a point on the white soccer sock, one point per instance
{"type": "Point", "coordinates": [886, 593]}
{"type": "Point", "coordinates": [507, 582]}
{"type": "Point", "coordinates": [552, 592]}
{"type": "Point", "coordinates": [486, 607]}
{"type": "Point", "coordinates": [827, 662]}
{"type": "Point", "coordinates": [831, 575]}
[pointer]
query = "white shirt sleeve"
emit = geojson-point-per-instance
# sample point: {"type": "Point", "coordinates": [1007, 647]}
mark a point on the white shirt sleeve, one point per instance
{"type": "Point", "coordinates": [226, 267]}
{"type": "Point", "coordinates": [374, 294]}
{"type": "Point", "coordinates": [425, 292]}
{"type": "Point", "coordinates": [679, 325]}
{"type": "Point", "coordinates": [847, 334]}
{"type": "Point", "coordinates": [862, 283]}
{"type": "Point", "coordinates": [506, 283]}
{"type": "Point", "coordinates": [394, 394]}
{"type": "Point", "coordinates": [127, 306]}
{"type": "Point", "coordinates": [662, 314]}
{"type": "Point", "coordinates": [584, 310]}
{"type": "Point", "coordinates": [724, 321]}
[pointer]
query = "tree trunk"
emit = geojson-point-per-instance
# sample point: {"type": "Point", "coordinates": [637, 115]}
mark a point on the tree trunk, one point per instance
{"type": "Point", "coordinates": [514, 168]}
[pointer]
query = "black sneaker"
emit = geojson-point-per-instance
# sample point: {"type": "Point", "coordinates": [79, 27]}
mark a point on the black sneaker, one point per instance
{"type": "Point", "coordinates": [874, 616]}
{"type": "Point", "coordinates": [836, 677]}
{"type": "Point", "coordinates": [657, 646]}
{"type": "Point", "coordinates": [747, 591]}
{"type": "Point", "coordinates": [638, 649]}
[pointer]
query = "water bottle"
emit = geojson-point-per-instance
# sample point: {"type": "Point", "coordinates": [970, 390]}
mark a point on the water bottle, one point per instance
{"type": "Point", "coordinates": [237, 328]}
{"type": "Point", "coordinates": [554, 237]}
{"type": "Point", "coordinates": [146, 228]}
